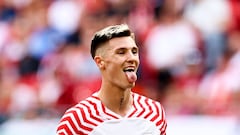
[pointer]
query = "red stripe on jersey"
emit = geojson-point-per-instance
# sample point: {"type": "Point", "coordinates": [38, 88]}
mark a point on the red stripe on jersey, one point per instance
{"type": "Point", "coordinates": [95, 97]}
{"type": "Point", "coordinates": [76, 117]}
{"type": "Point", "coordinates": [163, 122]}
{"type": "Point", "coordinates": [150, 109]}
{"type": "Point", "coordinates": [163, 128]}
{"type": "Point", "coordinates": [70, 121]}
{"type": "Point", "coordinates": [104, 110]}
{"type": "Point", "coordinates": [157, 115]}
{"type": "Point", "coordinates": [162, 118]}
{"type": "Point", "coordinates": [83, 115]}
{"type": "Point", "coordinates": [91, 115]}
{"type": "Point", "coordinates": [94, 105]}
{"type": "Point", "coordinates": [60, 133]}
{"type": "Point", "coordinates": [143, 109]}
{"type": "Point", "coordinates": [65, 128]}
{"type": "Point", "coordinates": [79, 121]}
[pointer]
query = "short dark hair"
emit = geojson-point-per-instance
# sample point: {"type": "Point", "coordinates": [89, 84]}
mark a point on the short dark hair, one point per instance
{"type": "Point", "coordinates": [108, 33]}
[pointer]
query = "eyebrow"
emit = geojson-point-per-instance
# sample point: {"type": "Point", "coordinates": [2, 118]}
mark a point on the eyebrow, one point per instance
{"type": "Point", "coordinates": [124, 48]}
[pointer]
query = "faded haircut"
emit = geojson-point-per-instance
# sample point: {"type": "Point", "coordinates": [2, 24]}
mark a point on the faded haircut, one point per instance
{"type": "Point", "coordinates": [104, 35]}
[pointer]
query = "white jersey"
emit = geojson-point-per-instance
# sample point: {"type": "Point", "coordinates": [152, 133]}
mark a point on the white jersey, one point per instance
{"type": "Point", "coordinates": [91, 117]}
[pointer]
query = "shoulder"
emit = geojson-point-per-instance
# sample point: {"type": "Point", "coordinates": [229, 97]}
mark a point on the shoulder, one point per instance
{"type": "Point", "coordinates": [84, 108]}
{"type": "Point", "coordinates": [152, 110]}
{"type": "Point", "coordinates": [81, 118]}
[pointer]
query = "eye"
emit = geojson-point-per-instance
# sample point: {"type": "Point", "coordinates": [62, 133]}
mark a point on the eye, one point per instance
{"type": "Point", "coordinates": [120, 51]}
{"type": "Point", "coordinates": [135, 51]}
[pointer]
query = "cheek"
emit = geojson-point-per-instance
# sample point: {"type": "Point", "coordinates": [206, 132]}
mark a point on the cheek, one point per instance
{"type": "Point", "coordinates": [113, 65]}
{"type": "Point", "coordinates": [114, 61]}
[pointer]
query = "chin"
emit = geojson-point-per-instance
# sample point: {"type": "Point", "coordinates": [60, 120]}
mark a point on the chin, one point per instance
{"type": "Point", "coordinates": [131, 85]}
{"type": "Point", "coordinates": [127, 86]}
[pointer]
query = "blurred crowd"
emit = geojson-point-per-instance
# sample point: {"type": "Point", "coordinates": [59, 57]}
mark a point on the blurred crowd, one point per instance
{"type": "Point", "coordinates": [189, 51]}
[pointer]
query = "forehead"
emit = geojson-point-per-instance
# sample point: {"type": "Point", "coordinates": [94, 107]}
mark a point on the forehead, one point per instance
{"type": "Point", "coordinates": [121, 42]}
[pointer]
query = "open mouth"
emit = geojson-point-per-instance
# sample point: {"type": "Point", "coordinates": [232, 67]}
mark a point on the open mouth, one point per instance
{"type": "Point", "coordinates": [130, 74]}
{"type": "Point", "coordinates": [128, 70]}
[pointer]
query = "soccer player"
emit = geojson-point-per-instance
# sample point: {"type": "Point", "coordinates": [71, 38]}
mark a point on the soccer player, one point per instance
{"type": "Point", "coordinates": [115, 109]}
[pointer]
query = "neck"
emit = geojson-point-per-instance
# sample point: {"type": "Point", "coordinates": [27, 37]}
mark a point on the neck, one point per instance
{"type": "Point", "coordinates": [119, 101]}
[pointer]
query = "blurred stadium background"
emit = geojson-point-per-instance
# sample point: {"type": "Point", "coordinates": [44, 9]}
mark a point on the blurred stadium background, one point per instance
{"type": "Point", "coordinates": [190, 60]}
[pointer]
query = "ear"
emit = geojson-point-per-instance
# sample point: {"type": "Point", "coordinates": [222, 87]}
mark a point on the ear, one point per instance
{"type": "Point", "coordinates": [99, 61]}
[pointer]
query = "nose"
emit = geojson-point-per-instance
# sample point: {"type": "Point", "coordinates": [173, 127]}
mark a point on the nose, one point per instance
{"type": "Point", "coordinates": [133, 57]}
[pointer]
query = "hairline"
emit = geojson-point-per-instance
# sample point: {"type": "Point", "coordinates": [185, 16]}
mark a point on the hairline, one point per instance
{"type": "Point", "coordinates": [102, 37]}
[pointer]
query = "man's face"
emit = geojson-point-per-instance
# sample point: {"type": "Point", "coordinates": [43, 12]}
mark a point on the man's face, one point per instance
{"type": "Point", "coordinates": [121, 60]}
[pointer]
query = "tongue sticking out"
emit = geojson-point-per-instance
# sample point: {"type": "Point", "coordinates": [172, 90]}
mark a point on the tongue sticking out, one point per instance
{"type": "Point", "coordinates": [131, 76]}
